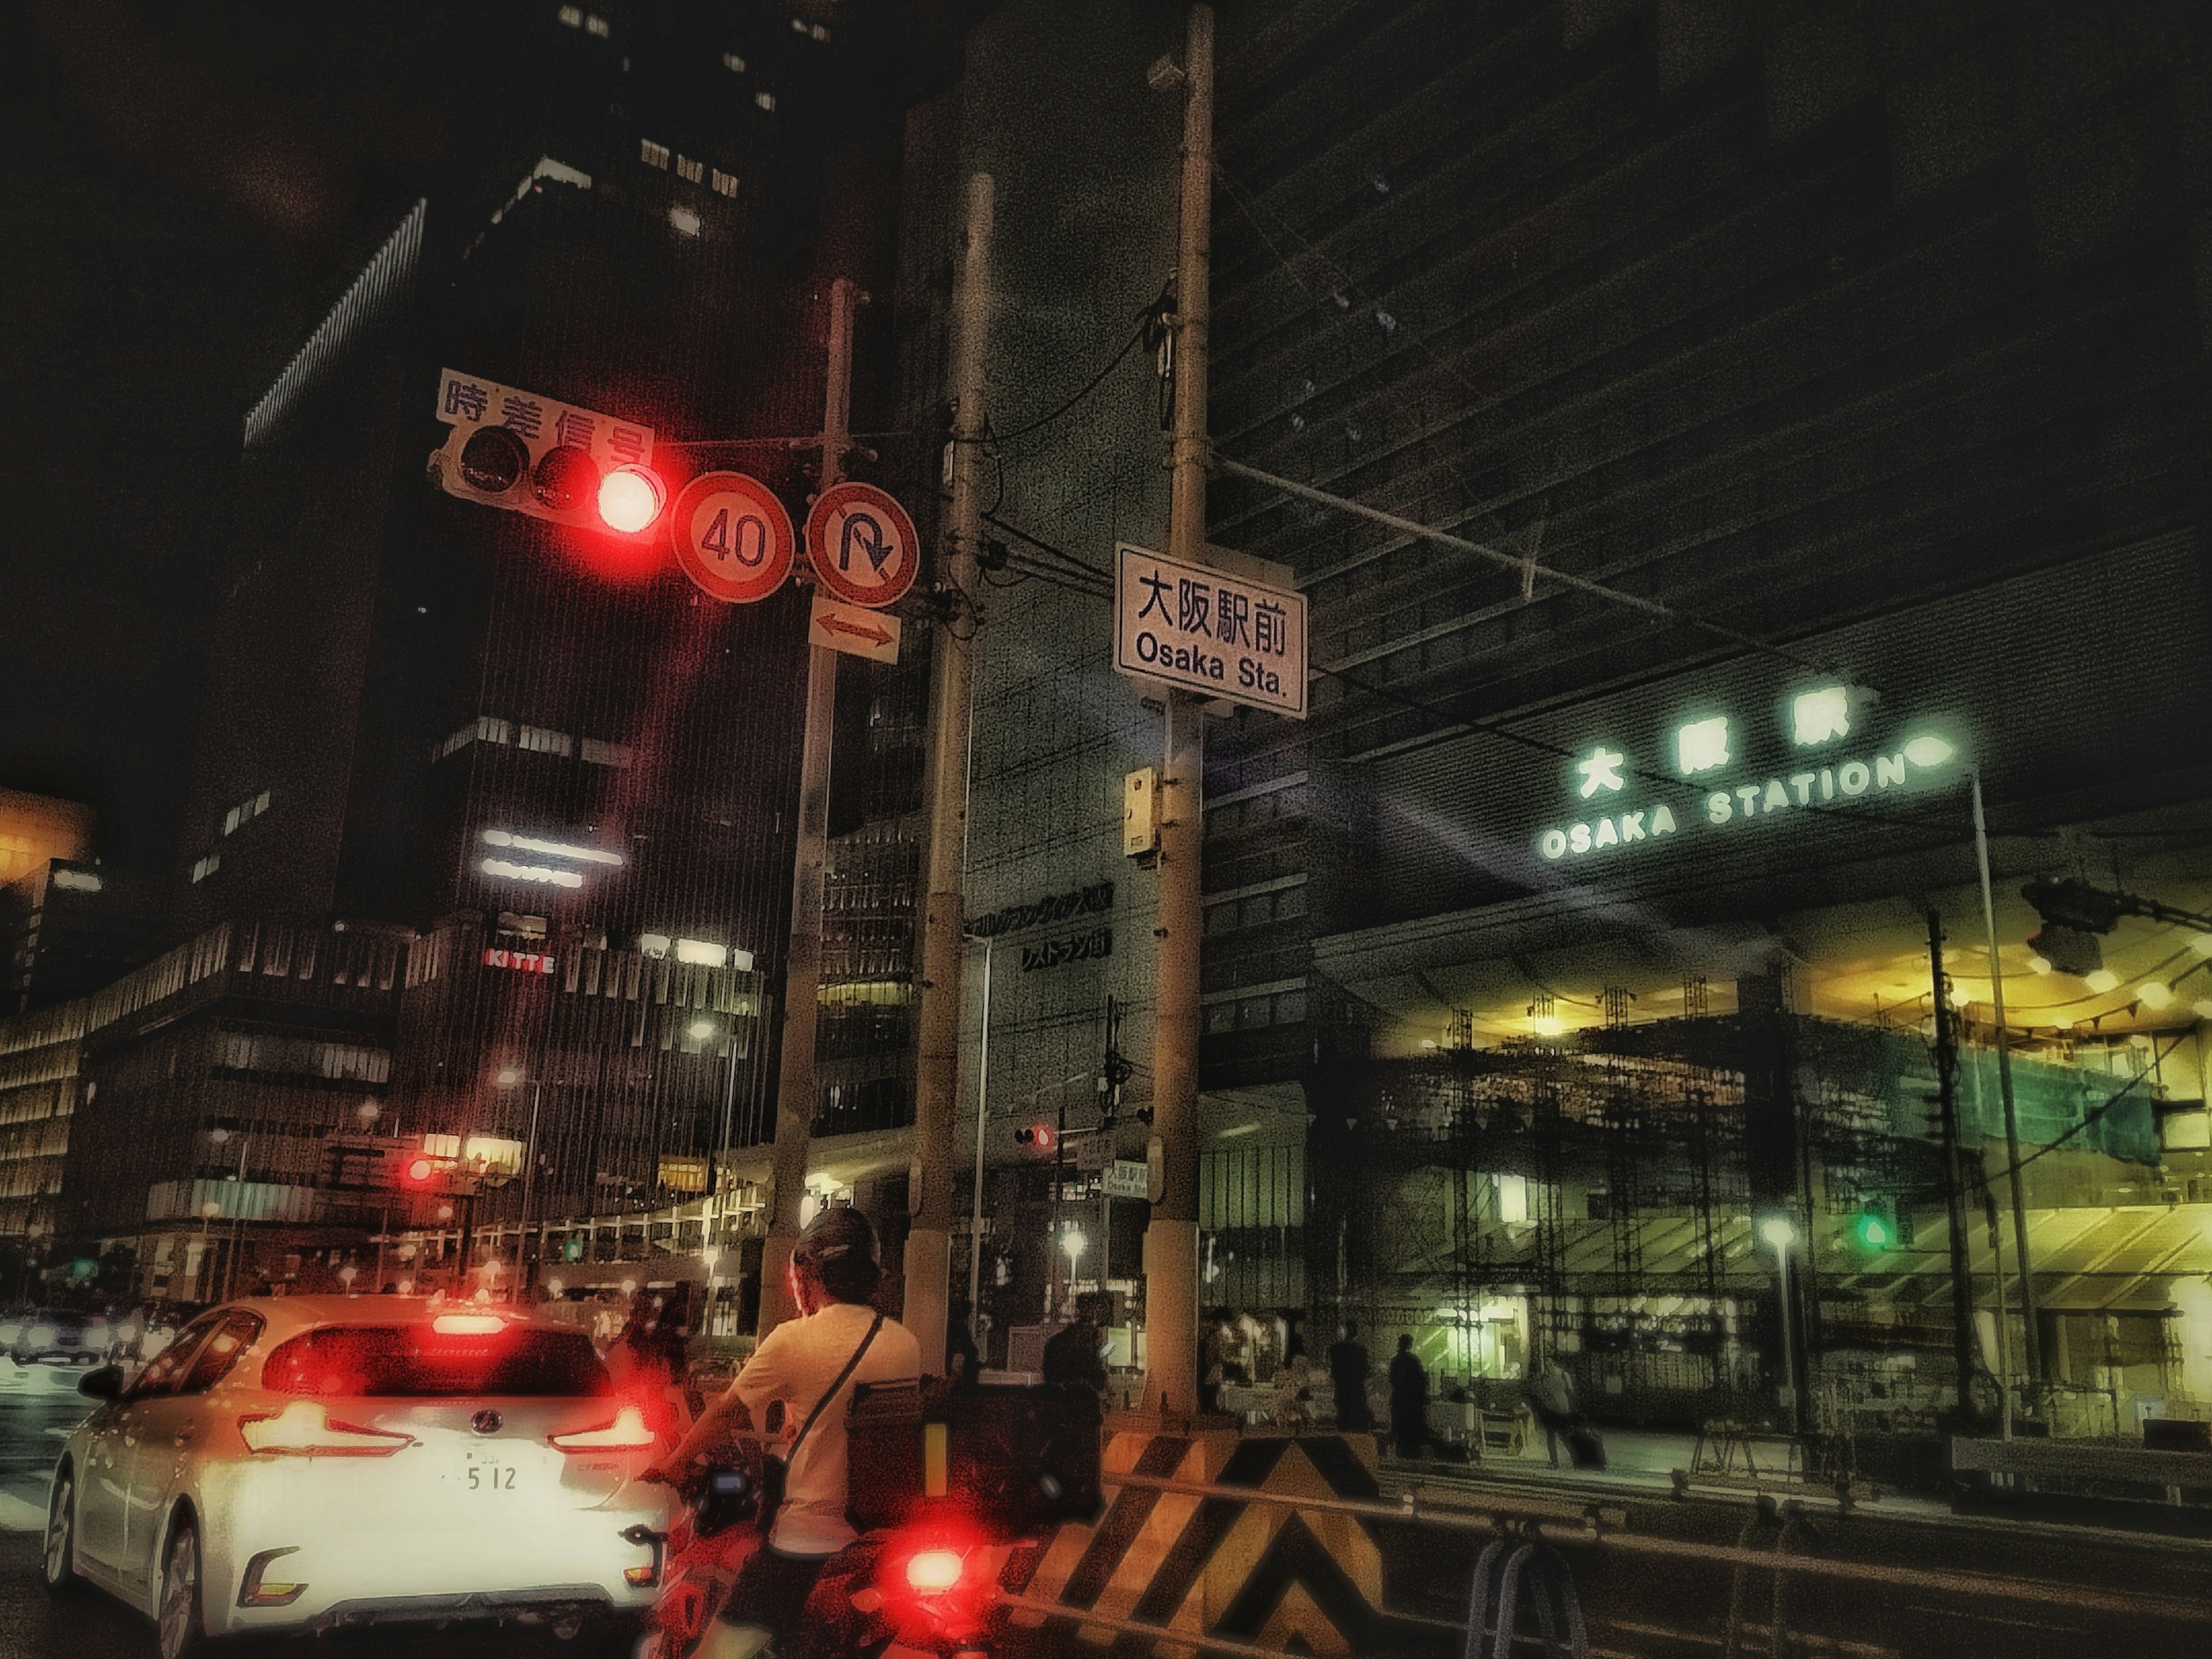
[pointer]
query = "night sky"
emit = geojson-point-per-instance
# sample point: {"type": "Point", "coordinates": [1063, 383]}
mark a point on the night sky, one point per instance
{"type": "Point", "coordinates": [185, 188]}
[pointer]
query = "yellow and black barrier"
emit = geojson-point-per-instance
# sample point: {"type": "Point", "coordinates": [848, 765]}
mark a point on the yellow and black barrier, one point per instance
{"type": "Point", "coordinates": [1181, 1549]}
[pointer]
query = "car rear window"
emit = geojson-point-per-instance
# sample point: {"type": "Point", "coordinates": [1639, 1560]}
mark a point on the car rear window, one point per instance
{"type": "Point", "coordinates": [415, 1362]}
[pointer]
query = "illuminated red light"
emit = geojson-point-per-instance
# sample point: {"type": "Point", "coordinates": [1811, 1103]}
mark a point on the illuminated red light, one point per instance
{"type": "Point", "coordinates": [932, 1571]}
{"type": "Point", "coordinates": [303, 1430]}
{"type": "Point", "coordinates": [628, 1432]}
{"type": "Point", "coordinates": [420, 1169]}
{"type": "Point", "coordinates": [630, 499]}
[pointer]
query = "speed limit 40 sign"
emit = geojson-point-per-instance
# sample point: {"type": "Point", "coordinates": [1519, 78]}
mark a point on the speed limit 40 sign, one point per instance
{"type": "Point", "coordinates": [862, 544]}
{"type": "Point", "coordinates": [734, 537]}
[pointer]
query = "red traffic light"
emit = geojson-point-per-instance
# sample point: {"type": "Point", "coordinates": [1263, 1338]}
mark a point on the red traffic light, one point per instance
{"type": "Point", "coordinates": [630, 499]}
{"type": "Point", "coordinates": [420, 1170]}
{"type": "Point", "coordinates": [1040, 1135]}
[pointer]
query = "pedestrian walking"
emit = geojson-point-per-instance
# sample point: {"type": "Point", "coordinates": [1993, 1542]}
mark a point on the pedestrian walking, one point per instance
{"type": "Point", "coordinates": [1409, 1401]}
{"type": "Point", "coordinates": [1348, 1368]}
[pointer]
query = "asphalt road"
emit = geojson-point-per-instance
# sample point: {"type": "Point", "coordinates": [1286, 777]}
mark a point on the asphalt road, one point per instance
{"type": "Point", "coordinates": [1645, 1604]}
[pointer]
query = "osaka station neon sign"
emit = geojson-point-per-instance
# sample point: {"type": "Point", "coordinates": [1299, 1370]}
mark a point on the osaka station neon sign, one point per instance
{"type": "Point", "coordinates": [1826, 769]}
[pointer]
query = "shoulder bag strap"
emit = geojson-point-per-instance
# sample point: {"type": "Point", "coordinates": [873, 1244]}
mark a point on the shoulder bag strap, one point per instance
{"type": "Point", "coordinates": [851, 1365]}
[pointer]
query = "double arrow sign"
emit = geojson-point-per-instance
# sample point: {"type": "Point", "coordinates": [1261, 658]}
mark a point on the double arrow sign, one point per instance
{"type": "Point", "coordinates": [853, 629]}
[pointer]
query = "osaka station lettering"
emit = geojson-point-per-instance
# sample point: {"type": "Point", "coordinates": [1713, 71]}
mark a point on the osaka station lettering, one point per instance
{"type": "Point", "coordinates": [1699, 748]}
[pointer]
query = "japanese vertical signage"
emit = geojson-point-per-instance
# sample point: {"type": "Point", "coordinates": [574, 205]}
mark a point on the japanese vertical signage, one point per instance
{"type": "Point", "coordinates": [1208, 631]}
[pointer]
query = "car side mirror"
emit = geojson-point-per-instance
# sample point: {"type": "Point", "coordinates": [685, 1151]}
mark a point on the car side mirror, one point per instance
{"type": "Point", "coordinates": [104, 1384]}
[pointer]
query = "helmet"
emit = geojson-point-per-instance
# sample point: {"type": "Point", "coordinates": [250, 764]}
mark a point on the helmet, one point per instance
{"type": "Point", "coordinates": [840, 1245]}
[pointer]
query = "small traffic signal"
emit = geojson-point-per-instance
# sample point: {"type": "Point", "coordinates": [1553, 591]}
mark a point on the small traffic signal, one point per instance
{"type": "Point", "coordinates": [1871, 1230]}
{"type": "Point", "coordinates": [1039, 1135]}
{"type": "Point", "coordinates": [532, 454]}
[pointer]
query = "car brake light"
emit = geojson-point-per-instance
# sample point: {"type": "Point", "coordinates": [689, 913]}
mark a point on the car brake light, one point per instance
{"type": "Point", "coordinates": [304, 1430]}
{"type": "Point", "coordinates": [465, 1324]}
{"type": "Point", "coordinates": [628, 1432]}
{"type": "Point", "coordinates": [931, 1573]}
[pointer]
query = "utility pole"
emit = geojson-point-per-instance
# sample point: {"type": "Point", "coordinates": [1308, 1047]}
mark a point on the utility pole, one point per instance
{"type": "Point", "coordinates": [945, 795]}
{"type": "Point", "coordinates": [1954, 1191]}
{"type": "Point", "coordinates": [802, 981]}
{"type": "Point", "coordinates": [1171, 1238]}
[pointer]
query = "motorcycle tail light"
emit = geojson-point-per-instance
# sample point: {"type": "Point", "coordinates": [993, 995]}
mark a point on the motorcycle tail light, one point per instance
{"type": "Point", "coordinates": [304, 1430]}
{"type": "Point", "coordinates": [932, 1572]}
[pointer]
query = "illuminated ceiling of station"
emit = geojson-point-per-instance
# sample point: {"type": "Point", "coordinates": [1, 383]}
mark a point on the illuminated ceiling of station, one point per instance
{"type": "Point", "coordinates": [1865, 964]}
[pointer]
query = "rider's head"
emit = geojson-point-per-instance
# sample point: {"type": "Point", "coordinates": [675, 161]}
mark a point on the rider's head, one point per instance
{"type": "Point", "coordinates": [837, 1259]}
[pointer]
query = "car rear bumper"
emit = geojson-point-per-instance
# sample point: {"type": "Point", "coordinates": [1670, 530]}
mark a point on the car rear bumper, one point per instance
{"type": "Point", "coordinates": [549, 1604]}
{"type": "Point", "coordinates": [435, 1580]}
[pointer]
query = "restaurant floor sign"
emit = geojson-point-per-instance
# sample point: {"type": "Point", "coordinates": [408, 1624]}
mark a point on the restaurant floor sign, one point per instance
{"type": "Point", "coordinates": [1717, 786]}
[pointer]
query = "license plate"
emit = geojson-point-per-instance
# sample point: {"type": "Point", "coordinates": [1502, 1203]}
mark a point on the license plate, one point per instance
{"type": "Point", "coordinates": [491, 1476]}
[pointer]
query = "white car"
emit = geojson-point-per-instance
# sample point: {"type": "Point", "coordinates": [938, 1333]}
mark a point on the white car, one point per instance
{"type": "Point", "coordinates": [297, 1463]}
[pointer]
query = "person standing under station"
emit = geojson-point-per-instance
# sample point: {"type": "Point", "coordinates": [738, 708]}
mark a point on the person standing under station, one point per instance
{"type": "Point", "coordinates": [1348, 1366]}
{"type": "Point", "coordinates": [812, 1364]}
{"type": "Point", "coordinates": [1076, 1353]}
{"type": "Point", "coordinates": [1409, 1401]}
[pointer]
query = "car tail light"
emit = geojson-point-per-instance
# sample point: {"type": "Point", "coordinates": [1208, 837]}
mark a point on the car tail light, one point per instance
{"type": "Point", "coordinates": [462, 1324]}
{"type": "Point", "coordinates": [932, 1572]}
{"type": "Point", "coordinates": [304, 1430]}
{"type": "Point", "coordinates": [628, 1432]}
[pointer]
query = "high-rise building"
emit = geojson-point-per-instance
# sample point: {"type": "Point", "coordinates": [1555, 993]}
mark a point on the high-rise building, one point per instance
{"type": "Point", "coordinates": [566, 777]}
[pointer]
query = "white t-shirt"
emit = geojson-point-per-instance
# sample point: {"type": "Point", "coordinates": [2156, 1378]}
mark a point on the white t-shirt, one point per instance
{"type": "Point", "coordinates": [796, 1363]}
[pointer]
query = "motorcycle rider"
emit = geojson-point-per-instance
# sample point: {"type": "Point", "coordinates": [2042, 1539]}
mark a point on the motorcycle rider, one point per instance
{"type": "Point", "coordinates": [835, 1268]}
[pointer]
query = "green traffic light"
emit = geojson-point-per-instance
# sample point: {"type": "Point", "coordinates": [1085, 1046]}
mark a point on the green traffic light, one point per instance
{"type": "Point", "coordinates": [1870, 1230]}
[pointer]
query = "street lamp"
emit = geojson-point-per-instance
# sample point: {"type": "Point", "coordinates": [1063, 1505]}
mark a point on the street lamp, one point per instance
{"type": "Point", "coordinates": [1074, 1243]}
{"type": "Point", "coordinates": [1781, 1235]}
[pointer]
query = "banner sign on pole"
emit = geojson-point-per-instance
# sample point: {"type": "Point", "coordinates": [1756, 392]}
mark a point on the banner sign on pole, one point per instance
{"type": "Point", "coordinates": [1207, 631]}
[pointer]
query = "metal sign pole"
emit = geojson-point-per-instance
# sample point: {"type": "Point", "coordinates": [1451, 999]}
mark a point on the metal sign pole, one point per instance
{"type": "Point", "coordinates": [794, 1106]}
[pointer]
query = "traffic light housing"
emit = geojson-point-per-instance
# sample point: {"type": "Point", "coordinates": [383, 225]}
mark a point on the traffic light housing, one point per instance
{"type": "Point", "coordinates": [532, 454]}
{"type": "Point", "coordinates": [1043, 1136]}
{"type": "Point", "coordinates": [2075, 914]}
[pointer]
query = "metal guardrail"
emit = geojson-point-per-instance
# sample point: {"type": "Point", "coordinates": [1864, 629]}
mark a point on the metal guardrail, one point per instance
{"type": "Point", "coordinates": [1563, 1524]}
{"type": "Point", "coordinates": [2070, 1459]}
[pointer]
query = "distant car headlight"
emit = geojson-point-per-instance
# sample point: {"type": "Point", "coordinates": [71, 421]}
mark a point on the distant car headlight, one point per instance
{"type": "Point", "coordinates": [40, 1336]}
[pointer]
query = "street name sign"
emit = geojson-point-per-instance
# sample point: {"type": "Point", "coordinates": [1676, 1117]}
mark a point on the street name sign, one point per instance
{"type": "Point", "coordinates": [1207, 631]}
{"type": "Point", "coordinates": [1125, 1178]}
{"type": "Point", "coordinates": [734, 537]}
{"type": "Point", "coordinates": [854, 630]}
{"type": "Point", "coordinates": [862, 544]}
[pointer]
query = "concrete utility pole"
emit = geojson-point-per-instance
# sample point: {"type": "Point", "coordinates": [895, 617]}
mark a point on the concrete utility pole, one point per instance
{"type": "Point", "coordinates": [1171, 1239]}
{"type": "Point", "coordinates": [944, 795]}
{"type": "Point", "coordinates": [802, 980]}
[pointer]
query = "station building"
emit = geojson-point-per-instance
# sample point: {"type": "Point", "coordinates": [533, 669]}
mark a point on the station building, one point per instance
{"type": "Point", "coordinates": [1573, 938]}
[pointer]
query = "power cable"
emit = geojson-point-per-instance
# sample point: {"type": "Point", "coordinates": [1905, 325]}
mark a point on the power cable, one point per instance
{"type": "Point", "coordinates": [1088, 386]}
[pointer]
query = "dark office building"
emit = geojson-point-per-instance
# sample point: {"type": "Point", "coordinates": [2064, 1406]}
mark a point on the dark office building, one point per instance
{"type": "Point", "coordinates": [1870, 343]}
{"type": "Point", "coordinates": [564, 776]}
{"type": "Point", "coordinates": [1577, 941]}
